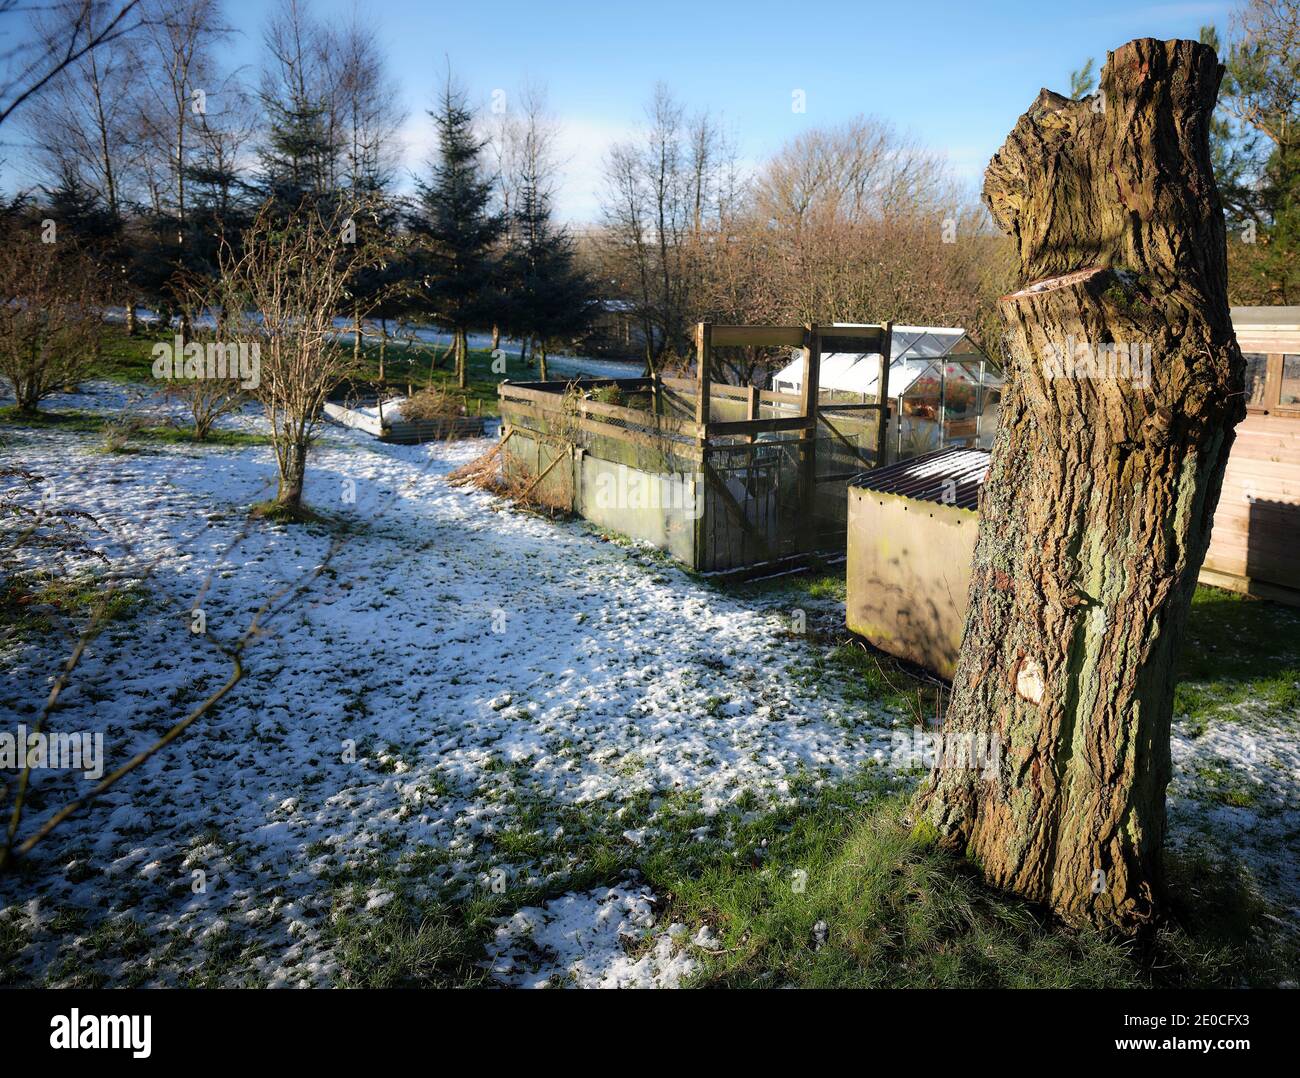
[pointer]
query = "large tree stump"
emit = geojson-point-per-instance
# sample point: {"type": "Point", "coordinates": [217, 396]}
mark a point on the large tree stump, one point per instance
{"type": "Point", "coordinates": [1101, 490]}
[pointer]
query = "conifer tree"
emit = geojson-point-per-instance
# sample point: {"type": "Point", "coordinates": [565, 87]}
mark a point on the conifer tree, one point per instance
{"type": "Point", "coordinates": [456, 229]}
{"type": "Point", "coordinates": [549, 298]}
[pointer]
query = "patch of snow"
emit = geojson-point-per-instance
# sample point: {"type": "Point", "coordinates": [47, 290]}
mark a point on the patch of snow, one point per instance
{"type": "Point", "coordinates": [462, 671]}
{"type": "Point", "coordinates": [600, 939]}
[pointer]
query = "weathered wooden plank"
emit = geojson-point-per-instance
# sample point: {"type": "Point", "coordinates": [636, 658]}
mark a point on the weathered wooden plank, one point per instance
{"type": "Point", "coordinates": [600, 414]}
{"type": "Point", "coordinates": [640, 417]}
{"type": "Point", "coordinates": [758, 336]}
{"type": "Point", "coordinates": [521, 414]}
{"type": "Point", "coordinates": [1247, 468]}
{"type": "Point", "coordinates": [1274, 527]}
{"type": "Point", "coordinates": [1241, 583]}
{"type": "Point", "coordinates": [760, 426]}
{"type": "Point", "coordinates": [845, 339]}
{"type": "Point", "coordinates": [556, 386]}
{"type": "Point", "coordinates": [545, 397]}
{"type": "Point", "coordinates": [687, 450]}
{"type": "Point", "coordinates": [772, 398]}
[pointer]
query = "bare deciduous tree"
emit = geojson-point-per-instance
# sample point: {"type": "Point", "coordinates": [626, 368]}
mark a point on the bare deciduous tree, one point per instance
{"type": "Point", "coordinates": [661, 197]}
{"type": "Point", "coordinates": [365, 100]}
{"type": "Point", "coordinates": [204, 304]}
{"type": "Point", "coordinates": [293, 279]}
{"type": "Point", "coordinates": [859, 171]}
{"type": "Point", "coordinates": [79, 124]}
{"type": "Point", "coordinates": [84, 26]}
{"type": "Point", "coordinates": [176, 48]}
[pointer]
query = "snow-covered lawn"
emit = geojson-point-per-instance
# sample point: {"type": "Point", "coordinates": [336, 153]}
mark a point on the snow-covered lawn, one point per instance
{"type": "Point", "coordinates": [463, 703]}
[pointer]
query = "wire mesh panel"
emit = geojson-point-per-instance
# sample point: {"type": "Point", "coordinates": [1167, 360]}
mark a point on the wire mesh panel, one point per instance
{"type": "Point", "coordinates": [846, 446]}
{"type": "Point", "coordinates": [846, 442]}
{"type": "Point", "coordinates": [748, 518]}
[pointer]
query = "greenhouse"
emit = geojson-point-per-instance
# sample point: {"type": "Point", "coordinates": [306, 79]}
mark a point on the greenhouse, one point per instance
{"type": "Point", "coordinates": [946, 391]}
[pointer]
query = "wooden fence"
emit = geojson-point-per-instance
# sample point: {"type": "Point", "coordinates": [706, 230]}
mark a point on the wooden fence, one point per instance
{"type": "Point", "coordinates": [771, 468]}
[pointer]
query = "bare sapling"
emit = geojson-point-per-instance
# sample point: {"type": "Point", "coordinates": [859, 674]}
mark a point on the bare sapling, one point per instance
{"type": "Point", "coordinates": [292, 278]}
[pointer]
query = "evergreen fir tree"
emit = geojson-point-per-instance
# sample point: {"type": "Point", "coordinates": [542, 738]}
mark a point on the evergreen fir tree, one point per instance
{"type": "Point", "coordinates": [79, 211]}
{"type": "Point", "coordinates": [297, 161]}
{"type": "Point", "coordinates": [1278, 266]}
{"type": "Point", "coordinates": [549, 298]}
{"type": "Point", "coordinates": [382, 289]}
{"type": "Point", "coordinates": [455, 229]}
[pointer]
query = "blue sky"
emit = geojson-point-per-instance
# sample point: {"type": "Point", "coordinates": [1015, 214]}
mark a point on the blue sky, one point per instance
{"type": "Point", "coordinates": [954, 75]}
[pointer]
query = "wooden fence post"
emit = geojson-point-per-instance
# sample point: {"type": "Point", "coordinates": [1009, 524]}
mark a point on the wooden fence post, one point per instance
{"type": "Point", "coordinates": [886, 357]}
{"type": "Point", "coordinates": [703, 349]}
{"type": "Point", "coordinates": [812, 361]}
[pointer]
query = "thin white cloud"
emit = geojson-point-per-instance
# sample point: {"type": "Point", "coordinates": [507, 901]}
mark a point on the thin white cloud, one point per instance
{"type": "Point", "coordinates": [582, 147]}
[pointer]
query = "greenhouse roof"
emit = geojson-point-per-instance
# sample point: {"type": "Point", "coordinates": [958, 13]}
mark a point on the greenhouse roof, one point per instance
{"type": "Point", "coordinates": [914, 351]}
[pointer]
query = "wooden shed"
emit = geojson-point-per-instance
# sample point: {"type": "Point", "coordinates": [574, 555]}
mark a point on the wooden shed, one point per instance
{"type": "Point", "coordinates": [1255, 545]}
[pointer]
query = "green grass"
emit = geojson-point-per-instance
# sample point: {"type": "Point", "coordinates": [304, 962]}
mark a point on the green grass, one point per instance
{"type": "Point", "coordinates": [819, 583]}
{"type": "Point", "coordinates": [33, 606]}
{"type": "Point", "coordinates": [866, 677]}
{"type": "Point", "coordinates": [844, 896]}
{"type": "Point", "coordinates": [123, 358]}
{"type": "Point", "coordinates": [74, 422]}
{"type": "Point", "coordinates": [277, 513]}
{"type": "Point", "coordinates": [409, 944]}
{"type": "Point", "coordinates": [830, 891]}
{"type": "Point", "coordinates": [1241, 658]}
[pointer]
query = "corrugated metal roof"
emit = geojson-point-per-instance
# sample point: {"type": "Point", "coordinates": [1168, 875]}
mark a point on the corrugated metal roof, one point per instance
{"type": "Point", "coordinates": [949, 477]}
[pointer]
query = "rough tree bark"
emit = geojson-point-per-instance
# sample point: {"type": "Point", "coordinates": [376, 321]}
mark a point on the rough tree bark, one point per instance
{"type": "Point", "coordinates": [293, 473]}
{"type": "Point", "coordinates": [1101, 491]}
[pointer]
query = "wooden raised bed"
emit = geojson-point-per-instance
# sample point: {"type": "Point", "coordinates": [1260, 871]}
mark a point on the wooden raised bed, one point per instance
{"type": "Point", "coordinates": [764, 473]}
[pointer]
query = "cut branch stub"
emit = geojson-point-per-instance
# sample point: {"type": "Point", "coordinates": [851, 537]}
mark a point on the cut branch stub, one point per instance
{"type": "Point", "coordinates": [1125, 383]}
{"type": "Point", "coordinates": [1121, 178]}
